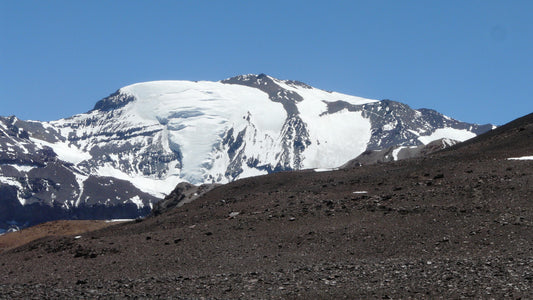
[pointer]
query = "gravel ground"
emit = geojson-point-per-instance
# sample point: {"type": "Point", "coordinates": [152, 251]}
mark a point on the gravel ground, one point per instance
{"type": "Point", "coordinates": [458, 224]}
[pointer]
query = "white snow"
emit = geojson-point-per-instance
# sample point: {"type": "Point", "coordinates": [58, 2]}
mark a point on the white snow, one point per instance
{"type": "Point", "coordinates": [389, 126]}
{"type": "Point", "coordinates": [521, 158]}
{"type": "Point", "coordinates": [119, 220]}
{"type": "Point", "coordinates": [80, 179]}
{"type": "Point", "coordinates": [10, 181]}
{"type": "Point", "coordinates": [137, 201]}
{"type": "Point", "coordinates": [22, 168]}
{"type": "Point", "coordinates": [315, 95]}
{"type": "Point", "coordinates": [197, 114]}
{"type": "Point", "coordinates": [395, 152]}
{"type": "Point", "coordinates": [193, 117]}
{"type": "Point", "coordinates": [336, 138]}
{"type": "Point", "coordinates": [325, 169]}
{"type": "Point", "coordinates": [233, 214]}
{"type": "Point", "coordinates": [413, 132]}
{"type": "Point", "coordinates": [64, 151]}
{"type": "Point", "coordinates": [450, 133]}
{"type": "Point", "coordinates": [153, 186]}
{"type": "Point", "coordinates": [360, 192]}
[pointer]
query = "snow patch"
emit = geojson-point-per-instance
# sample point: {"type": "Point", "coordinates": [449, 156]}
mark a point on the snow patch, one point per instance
{"type": "Point", "coordinates": [395, 153]}
{"type": "Point", "coordinates": [10, 181]}
{"type": "Point", "coordinates": [80, 179]}
{"type": "Point", "coordinates": [65, 152]}
{"type": "Point", "coordinates": [153, 186]}
{"type": "Point", "coordinates": [450, 133]}
{"type": "Point", "coordinates": [137, 201]}
{"type": "Point", "coordinates": [389, 126]}
{"type": "Point", "coordinates": [333, 137]}
{"type": "Point", "coordinates": [325, 169]}
{"type": "Point", "coordinates": [22, 168]}
{"type": "Point", "coordinates": [119, 220]}
{"type": "Point", "coordinates": [521, 158]}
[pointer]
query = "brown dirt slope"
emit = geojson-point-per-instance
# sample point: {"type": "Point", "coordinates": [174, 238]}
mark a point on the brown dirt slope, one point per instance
{"type": "Point", "coordinates": [55, 228]}
{"type": "Point", "coordinates": [456, 224]}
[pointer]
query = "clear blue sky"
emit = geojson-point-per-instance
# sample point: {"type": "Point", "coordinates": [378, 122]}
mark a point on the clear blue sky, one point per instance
{"type": "Point", "coordinates": [471, 60]}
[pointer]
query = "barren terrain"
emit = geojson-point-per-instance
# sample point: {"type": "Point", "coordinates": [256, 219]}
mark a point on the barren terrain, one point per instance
{"type": "Point", "coordinates": [458, 223]}
{"type": "Point", "coordinates": [54, 228]}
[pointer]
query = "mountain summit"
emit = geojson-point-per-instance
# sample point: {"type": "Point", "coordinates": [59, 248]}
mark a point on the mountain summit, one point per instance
{"type": "Point", "coordinates": [138, 143]}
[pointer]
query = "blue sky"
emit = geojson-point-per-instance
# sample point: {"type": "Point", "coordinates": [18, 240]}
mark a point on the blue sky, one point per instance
{"type": "Point", "coordinates": [471, 60]}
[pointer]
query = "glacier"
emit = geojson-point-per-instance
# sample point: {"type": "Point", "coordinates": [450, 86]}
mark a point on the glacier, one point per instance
{"type": "Point", "coordinates": [202, 126]}
{"type": "Point", "coordinates": [137, 144]}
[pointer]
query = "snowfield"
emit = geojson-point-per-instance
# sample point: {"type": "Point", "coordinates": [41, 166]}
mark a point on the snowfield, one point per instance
{"type": "Point", "coordinates": [460, 135]}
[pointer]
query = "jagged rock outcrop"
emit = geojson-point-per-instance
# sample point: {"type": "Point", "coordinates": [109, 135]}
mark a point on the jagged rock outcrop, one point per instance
{"type": "Point", "coordinates": [394, 153]}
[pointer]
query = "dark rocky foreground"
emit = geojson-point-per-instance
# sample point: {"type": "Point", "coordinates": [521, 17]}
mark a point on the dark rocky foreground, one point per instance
{"type": "Point", "coordinates": [455, 224]}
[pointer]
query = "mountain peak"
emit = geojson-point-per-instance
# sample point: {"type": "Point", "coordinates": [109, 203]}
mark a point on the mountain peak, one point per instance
{"type": "Point", "coordinates": [147, 137]}
{"type": "Point", "coordinates": [113, 101]}
{"type": "Point", "coordinates": [248, 78]}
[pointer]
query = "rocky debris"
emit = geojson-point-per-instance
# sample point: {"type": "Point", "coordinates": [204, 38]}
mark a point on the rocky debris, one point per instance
{"type": "Point", "coordinates": [449, 278]}
{"type": "Point", "coordinates": [233, 214]}
{"type": "Point", "coordinates": [453, 224]}
{"type": "Point", "coordinates": [394, 153]}
{"type": "Point", "coordinates": [182, 194]}
{"type": "Point", "coordinates": [18, 238]}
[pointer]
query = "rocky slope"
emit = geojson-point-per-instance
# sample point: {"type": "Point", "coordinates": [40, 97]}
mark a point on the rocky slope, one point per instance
{"type": "Point", "coordinates": [457, 223]}
{"type": "Point", "coordinates": [394, 153]}
{"type": "Point", "coordinates": [37, 186]}
{"type": "Point", "coordinates": [136, 145]}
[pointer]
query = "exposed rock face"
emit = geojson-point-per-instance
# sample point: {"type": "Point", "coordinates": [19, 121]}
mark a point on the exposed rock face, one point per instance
{"type": "Point", "coordinates": [136, 145]}
{"type": "Point", "coordinates": [394, 153]}
{"type": "Point", "coordinates": [396, 124]}
{"type": "Point", "coordinates": [36, 186]}
{"type": "Point", "coordinates": [182, 194]}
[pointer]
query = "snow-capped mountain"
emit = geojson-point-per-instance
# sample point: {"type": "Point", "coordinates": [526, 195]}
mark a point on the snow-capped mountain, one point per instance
{"type": "Point", "coordinates": [37, 186]}
{"type": "Point", "coordinates": [137, 144]}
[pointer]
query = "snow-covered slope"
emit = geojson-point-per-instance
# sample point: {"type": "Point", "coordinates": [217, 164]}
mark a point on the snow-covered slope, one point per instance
{"type": "Point", "coordinates": [154, 135]}
{"type": "Point", "coordinates": [157, 134]}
